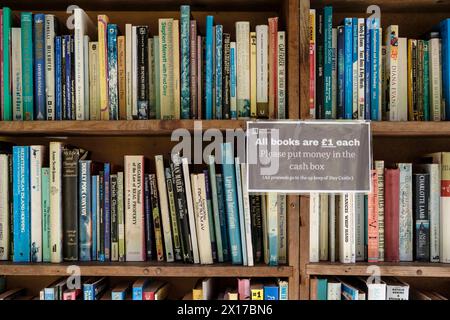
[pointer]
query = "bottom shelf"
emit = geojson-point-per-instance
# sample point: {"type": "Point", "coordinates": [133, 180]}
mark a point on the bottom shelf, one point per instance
{"type": "Point", "coordinates": [402, 269]}
{"type": "Point", "coordinates": [143, 269]}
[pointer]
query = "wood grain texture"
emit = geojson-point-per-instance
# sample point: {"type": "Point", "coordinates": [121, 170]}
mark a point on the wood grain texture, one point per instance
{"type": "Point", "coordinates": [292, 16]}
{"type": "Point", "coordinates": [402, 269]}
{"type": "Point", "coordinates": [385, 5]}
{"type": "Point", "coordinates": [304, 247]}
{"type": "Point", "coordinates": [294, 244]}
{"type": "Point", "coordinates": [145, 269]}
{"type": "Point", "coordinates": [304, 59]}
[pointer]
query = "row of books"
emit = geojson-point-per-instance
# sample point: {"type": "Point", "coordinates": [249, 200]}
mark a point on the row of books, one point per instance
{"type": "Point", "coordinates": [78, 209]}
{"type": "Point", "coordinates": [404, 218]}
{"type": "Point", "coordinates": [98, 74]}
{"type": "Point", "coordinates": [359, 288]}
{"type": "Point", "coordinates": [357, 73]}
{"type": "Point", "coordinates": [101, 288]}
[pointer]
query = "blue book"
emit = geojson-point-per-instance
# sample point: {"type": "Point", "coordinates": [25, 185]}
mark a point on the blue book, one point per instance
{"type": "Point", "coordinates": [445, 36]}
{"type": "Point", "coordinates": [21, 204]}
{"type": "Point", "coordinates": [367, 79]}
{"type": "Point", "coordinates": [112, 72]}
{"type": "Point", "coordinates": [271, 292]}
{"type": "Point", "coordinates": [58, 78]}
{"type": "Point", "coordinates": [94, 216]}
{"type": "Point", "coordinates": [322, 289]}
{"type": "Point", "coordinates": [340, 93]}
{"type": "Point", "coordinates": [218, 65]}
{"type": "Point", "coordinates": [233, 89]}
{"type": "Point", "coordinates": [348, 68]}
{"type": "Point", "coordinates": [85, 211]}
{"type": "Point", "coordinates": [26, 25]}
{"type": "Point", "coordinates": [375, 70]}
{"type": "Point", "coordinates": [348, 292]}
{"type": "Point", "coordinates": [237, 167]}
{"type": "Point", "coordinates": [94, 287]}
{"type": "Point", "coordinates": [39, 67]}
{"type": "Point", "coordinates": [68, 76]}
{"type": "Point", "coordinates": [101, 218]}
{"type": "Point", "coordinates": [49, 294]}
{"type": "Point", "coordinates": [107, 210]}
{"type": "Point", "coordinates": [355, 69]}
{"type": "Point", "coordinates": [222, 217]}
{"type": "Point", "coordinates": [328, 57]}
{"type": "Point", "coordinates": [185, 12]}
{"type": "Point", "coordinates": [138, 288]}
{"type": "Point", "coordinates": [229, 187]}
{"type": "Point", "coordinates": [209, 52]}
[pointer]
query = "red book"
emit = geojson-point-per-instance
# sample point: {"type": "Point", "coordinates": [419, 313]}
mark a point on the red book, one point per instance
{"type": "Point", "coordinates": [273, 67]}
{"type": "Point", "coordinates": [312, 65]}
{"type": "Point", "coordinates": [391, 214]}
{"type": "Point", "coordinates": [244, 289]}
{"type": "Point", "coordinates": [372, 220]}
{"type": "Point", "coordinates": [193, 67]}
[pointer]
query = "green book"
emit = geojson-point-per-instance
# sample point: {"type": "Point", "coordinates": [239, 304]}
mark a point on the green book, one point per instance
{"type": "Point", "coordinates": [322, 289]}
{"type": "Point", "coordinates": [27, 64]}
{"type": "Point", "coordinates": [156, 74]}
{"type": "Point", "coordinates": [46, 252]}
{"type": "Point", "coordinates": [7, 99]}
{"type": "Point", "coordinates": [426, 82]}
{"type": "Point", "coordinates": [215, 207]}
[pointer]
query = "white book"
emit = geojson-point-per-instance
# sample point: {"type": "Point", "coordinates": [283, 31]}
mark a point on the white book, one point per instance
{"type": "Point", "coordinates": [56, 237]}
{"type": "Point", "coordinates": [208, 288]}
{"type": "Point", "coordinates": [346, 232]}
{"type": "Point", "coordinates": [323, 227]}
{"type": "Point", "coordinates": [16, 73]}
{"type": "Point", "coordinates": [243, 68]}
{"type": "Point", "coordinates": [164, 208]}
{"type": "Point", "coordinates": [128, 69]}
{"type": "Point", "coordinates": [134, 74]}
{"type": "Point", "coordinates": [314, 225]}
{"type": "Point", "coordinates": [134, 208]}
{"type": "Point", "coordinates": [176, 68]}
{"type": "Point", "coordinates": [202, 218]}
{"type": "Point", "coordinates": [391, 73]}
{"type": "Point", "coordinates": [233, 81]}
{"type": "Point", "coordinates": [36, 160]}
{"type": "Point", "coordinates": [190, 208]}
{"type": "Point", "coordinates": [240, 206]}
{"type": "Point", "coordinates": [361, 67]}
{"type": "Point", "coordinates": [376, 290]}
{"type": "Point", "coordinates": [406, 212]}
{"type": "Point", "coordinates": [262, 71]}
{"type": "Point", "coordinates": [333, 72]}
{"type": "Point", "coordinates": [352, 207]}
{"type": "Point", "coordinates": [86, 78]}
{"type": "Point", "coordinates": [94, 81]}
{"type": "Point", "coordinates": [402, 98]}
{"type": "Point", "coordinates": [333, 290]}
{"type": "Point", "coordinates": [247, 218]}
{"type": "Point", "coordinates": [332, 227]}
{"type": "Point", "coordinates": [434, 45]}
{"type": "Point", "coordinates": [359, 227]}
{"type": "Point", "coordinates": [282, 229]}
{"type": "Point", "coordinates": [82, 26]}
{"type": "Point", "coordinates": [50, 27]}
{"type": "Point", "coordinates": [281, 58]}
{"type": "Point", "coordinates": [272, 227]}
{"type": "Point", "coordinates": [4, 208]}
{"type": "Point", "coordinates": [396, 289]}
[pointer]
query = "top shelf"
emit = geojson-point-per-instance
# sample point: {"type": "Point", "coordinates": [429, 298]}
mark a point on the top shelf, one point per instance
{"type": "Point", "coordinates": [166, 127]}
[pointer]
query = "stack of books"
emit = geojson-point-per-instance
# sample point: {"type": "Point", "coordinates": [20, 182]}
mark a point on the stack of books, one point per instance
{"type": "Point", "coordinates": [98, 73]}
{"type": "Point", "coordinates": [360, 71]}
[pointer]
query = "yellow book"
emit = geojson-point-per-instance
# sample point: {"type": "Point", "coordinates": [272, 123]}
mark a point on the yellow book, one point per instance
{"type": "Point", "coordinates": [121, 77]}
{"type": "Point", "coordinates": [94, 85]}
{"type": "Point", "coordinates": [412, 72]}
{"type": "Point", "coordinates": [197, 292]}
{"type": "Point", "coordinates": [257, 291]}
{"type": "Point", "coordinates": [253, 74]}
{"type": "Point", "coordinates": [166, 69]}
{"type": "Point", "coordinates": [233, 296]}
{"type": "Point", "coordinates": [103, 21]}
{"type": "Point", "coordinates": [176, 68]}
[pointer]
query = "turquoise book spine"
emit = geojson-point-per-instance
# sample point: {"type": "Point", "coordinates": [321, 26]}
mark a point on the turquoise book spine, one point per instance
{"type": "Point", "coordinates": [27, 65]}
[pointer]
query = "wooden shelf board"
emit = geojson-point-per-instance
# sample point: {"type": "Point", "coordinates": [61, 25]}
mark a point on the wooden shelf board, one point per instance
{"type": "Point", "coordinates": [385, 5]}
{"type": "Point", "coordinates": [144, 269]}
{"type": "Point", "coordinates": [402, 269]}
{"type": "Point", "coordinates": [411, 128]}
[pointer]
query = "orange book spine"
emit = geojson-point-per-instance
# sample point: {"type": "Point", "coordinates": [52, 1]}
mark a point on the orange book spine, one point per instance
{"type": "Point", "coordinates": [273, 67]}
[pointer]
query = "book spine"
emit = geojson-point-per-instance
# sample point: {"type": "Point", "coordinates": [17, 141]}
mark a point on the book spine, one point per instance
{"type": "Point", "coordinates": [113, 95]}
{"type": "Point", "coordinates": [328, 54]}
{"type": "Point", "coordinates": [36, 159]}
{"type": "Point", "coordinates": [94, 197]}
{"type": "Point", "coordinates": [129, 70]}
{"type": "Point", "coordinates": [156, 218]}
{"type": "Point", "coordinates": [157, 76]}
{"type": "Point", "coordinates": [332, 226]}
{"type": "Point", "coordinates": [361, 69]}
{"type": "Point", "coordinates": [102, 21]}
{"type": "Point", "coordinates": [419, 75]}
{"type": "Point", "coordinates": [402, 79]}
{"type": "Point", "coordinates": [151, 80]}
{"type": "Point", "coordinates": [281, 80]}
{"type": "Point", "coordinates": [94, 82]}
{"type": "Point", "coordinates": [444, 160]}
{"type": "Point", "coordinates": [319, 77]}
{"type": "Point", "coordinates": [392, 227]}
{"type": "Point", "coordinates": [67, 78]}
{"type": "Point", "coordinates": [218, 71]}
{"type": "Point", "coordinates": [334, 76]}
{"type": "Point", "coordinates": [209, 208]}
{"type": "Point", "coordinates": [215, 208]}
{"type": "Point", "coordinates": [368, 66]}
{"type": "Point", "coordinates": [4, 209]}
{"type": "Point", "coordinates": [405, 214]}
{"type": "Point", "coordinates": [27, 65]}
{"type": "Point", "coordinates": [222, 217]}
{"type": "Point", "coordinates": [148, 219]}
{"type": "Point", "coordinates": [233, 81]}
{"type": "Point", "coordinates": [134, 211]}
{"type": "Point", "coordinates": [121, 215]}
{"type": "Point", "coordinates": [121, 76]}
{"type": "Point", "coordinates": [166, 68]}
{"type": "Point", "coordinates": [21, 204]}
{"type": "Point", "coordinates": [50, 30]}
{"type": "Point", "coordinates": [421, 217]}
{"type": "Point", "coordinates": [348, 68]}
{"type": "Point", "coordinates": [70, 203]}
{"type": "Point", "coordinates": [193, 77]}
{"type": "Point", "coordinates": [273, 67]}
{"type": "Point", "coordinates": [345, 250]}
{"type": "Point", "coordinates": [272, 228]}
{"type": "Point", "coordinates": [142, 69]}
{"type": "Point", "coordinates": [200, 77]}
{"type": "Point", "coordinates": [314, 231]}
{"type": "Point", "coordinates": [176, 68]}
{"type": "Point", "coordinates": [85, 210]}
{"type": "Point", "coordinates": [355, 67]}
{"type": "Point", "coordinates": [312, 63]}
{"type": "Point", "coordinates": [359, 227]}
{"type": "Point", "coordinates": [255, 212]}
{"type": "Point", "coordinates": [435, 79]}
{"type": "Point", "coordinates": [209, 52]}
{"type": "Point", "coordinates": [101, 217]}
{"type": "Point", "coordinates": [7, 58]}
{"type": "Point", "coordinates": [202, 218]}
{"type": "Point", "coordinates": [262, 73]}
{"type": "Point", "coordinates": [435, 223]}
{"type": "Point", "coordinates": [229, 186]}
{"type": "Point", "coordinates": [85, 67]}
{"type": "Point", "coordinates": [239, 192]}
{"type": "Point", "coordinates": [375, 71]}
{"type": "Point", "coordinates": [412, 80]}
{"type": "Point", "coordinates": [173, 214]}
{"type": "Point", "coordinates": [56, 201]}
{"type": "Point", "coordinates": [16, 75]}
{"type": "Point", "coordinates": [445, 36]}
{"type": "Point", "coordinates": [243, 68]}
{"type": "Point", "coordinates": [379, 166]}
{"type": "Point", "coordinates": [114, 219]}
{"type": "Point", "coordinates": [323, 227]}
{"type": "Point", "coordinates": [340, 94]}
{"type": "Point", "coordinates": [426, 82]}
{"type": "Point", "coordinates": [185, 14]}
{"type": "Point", "coordinates": [107, 211]}
{"type": "Point", "coordinates": [45, 214]}
{"type": "Point", "coordinates": [253, 110]}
